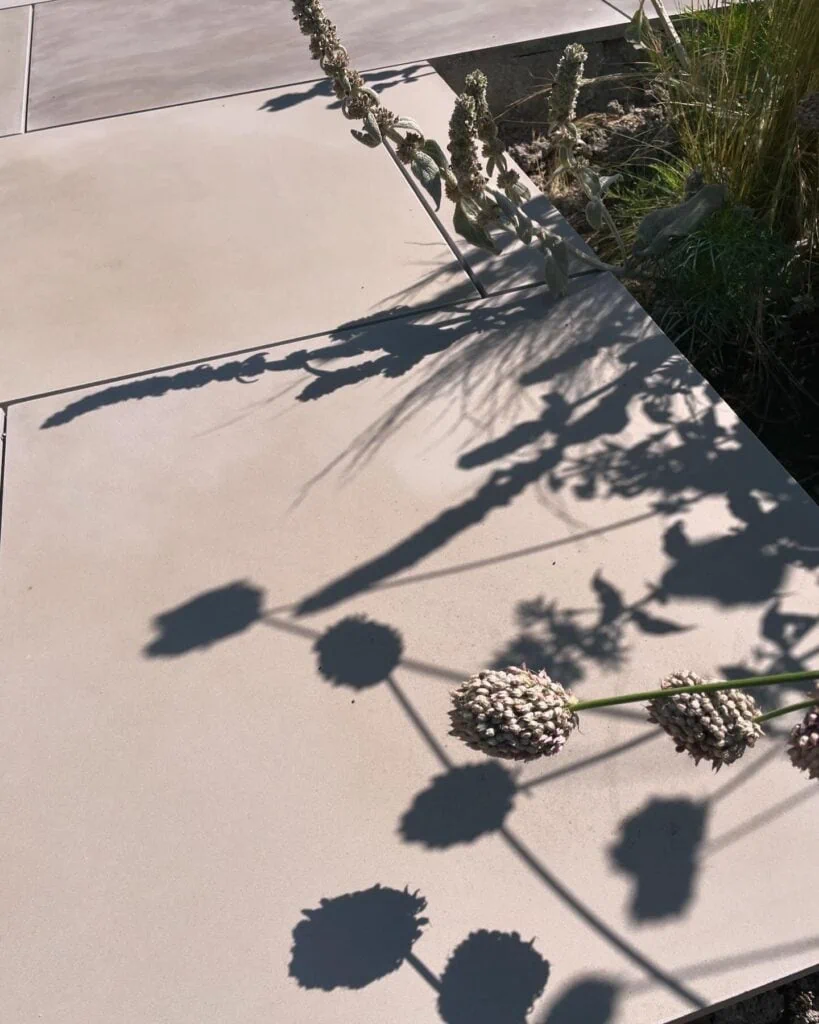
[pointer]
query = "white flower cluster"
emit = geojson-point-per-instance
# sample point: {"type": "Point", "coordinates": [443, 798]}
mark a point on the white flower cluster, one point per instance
{"type": "Point", "coordinates": [514, 714]}
{"type": "Point", "coordinates": [717, 726]}
{"type": "Point", "coordinates": [804, 745]}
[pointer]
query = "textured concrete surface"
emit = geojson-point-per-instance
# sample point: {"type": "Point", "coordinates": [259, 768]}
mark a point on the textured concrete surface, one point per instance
{"type": "Point", "coordinates": [144, 241]}
{"type": "Point", "coordinates": [428, 99]}
{"type": "Point", "coordinates": [195, 758]}
{"type": "Point", "coordinates": [14, 30]}
{"type": "Point", "coordinates": [93, 58]}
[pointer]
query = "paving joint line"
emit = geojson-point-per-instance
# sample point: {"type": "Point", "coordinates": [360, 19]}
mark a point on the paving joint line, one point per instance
{"type": "Point", "coordinates": [211, 99]}
{"type": "Point", "coordinates": [482, 292]}
{"type": "Point", "coordinates": [27, 72]}
{"type": "Point", "coordinates": [352, 325]}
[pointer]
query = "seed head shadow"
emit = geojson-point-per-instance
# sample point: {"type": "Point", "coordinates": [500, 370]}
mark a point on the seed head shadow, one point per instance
{"type": "Point", "coordinates": [352, 940]}
{"type": "Point", "coordinates": [358, 652]}
{"type": "Point", "coordinates": [459, 806]}
{"type": "Point", "coordinates": [492, 977]}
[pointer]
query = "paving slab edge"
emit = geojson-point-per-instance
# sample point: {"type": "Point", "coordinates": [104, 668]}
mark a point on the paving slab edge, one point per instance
{"type": "Point", "coordinates": [4, 419]}
{"type": "Point", "coordinates": [612, 30]}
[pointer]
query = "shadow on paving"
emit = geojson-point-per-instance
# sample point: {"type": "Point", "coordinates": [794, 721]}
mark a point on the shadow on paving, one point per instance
{"type": "Point", "coordinates": [459, 806]}
{"type": "Point", "coordinates": [379, 81]}
{"type": "Point", "coordinates": [353, 940]}
{"type": "Point", "coordinates": [659, 848]}
{"type": "Point", "coordinates": [592, 1000]}
{"type": "Point", "coordinates": [492, 361]}
{"type": "Point", "coordinates": [580, 443]}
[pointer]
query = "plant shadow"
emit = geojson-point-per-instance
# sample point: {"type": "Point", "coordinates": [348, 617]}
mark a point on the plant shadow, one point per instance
{"type": "Point", "coordinates": [379, 81]}
{"type": "Point", "coordinates": [358, 653]}
{"type": "Point", "coordinates": [460, 806]}
{"type": "Point", "coordinates": [206, 619]}
{"type": "Point", "coordinates": [658, 847]}
{"type": "Point", "coordinates": [352, 940]}
{"type": "Point", "coordinates": [592, 1000]}
{"type": "Point", "coordinates": [491, 977]}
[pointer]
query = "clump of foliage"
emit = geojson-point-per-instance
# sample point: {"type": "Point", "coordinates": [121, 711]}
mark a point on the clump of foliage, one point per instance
{"type": "Point", "coordinates": [736, 107]}
{"type": "Point", "coordinates": [734, 295]}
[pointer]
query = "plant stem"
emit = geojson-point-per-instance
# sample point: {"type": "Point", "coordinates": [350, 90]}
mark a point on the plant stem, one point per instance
{"type": "Point", "coordinates": [802, 705]}
{"type": "Point", "coordinates": [607, 217]}
{"type": "Point", "coordinates": [672, 33]}
{"type": "Point", "coordinates": [731, 684]}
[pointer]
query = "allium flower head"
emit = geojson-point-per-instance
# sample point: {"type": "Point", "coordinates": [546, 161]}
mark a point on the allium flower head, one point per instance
{"type": "Point", "coordinates": [804, 744]}
{"type": "Point", "coordinates": [717, 726]}
{"type": "Point", "coordinates": [514, 714]}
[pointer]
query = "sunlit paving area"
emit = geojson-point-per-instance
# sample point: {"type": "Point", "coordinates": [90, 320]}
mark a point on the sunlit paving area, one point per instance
{"type": "Point", "coordinates": [351, 488]}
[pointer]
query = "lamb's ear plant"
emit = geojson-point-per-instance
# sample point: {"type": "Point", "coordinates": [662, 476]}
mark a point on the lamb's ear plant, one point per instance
{"type": "Point", "coordinates": [522, 715]}
{"type": "Point", "coordinates": [486, 197]}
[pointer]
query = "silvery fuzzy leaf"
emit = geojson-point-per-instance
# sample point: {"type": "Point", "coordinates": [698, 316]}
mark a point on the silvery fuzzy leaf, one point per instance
{"type": "Point", "coordinates": [560, 252]}
{"type": "Point", "coordinates": [470, 207]}
{"type": "Point", "coordinates": [432, 148]}
{"type": "Point", "coordinates": [658, 228]}
{"type": "Point", "coordinates": [508, 208]}
{"type": "Point", "coordinates": [635, 32]}
{"type": "Point", "coordinates": [428, 173]}
{"type": "Point", "coordinates": [372, 128]}
{"type": "Point", "coordinates": [408, 124]}
{"type": "Point", "coordinates": [607, 181]}
{"type": "Point", "coordinates": [556, 280]}
{"type": "Point", "coordinates": [525, 229]}
{"type": "Point", "coordinates": [371, 93]}
{"type": "Point", "coordinates": [364, 138]}
{"type": "Point", "coordinates": [590, 181]}
{"type": "Point", "coordinates": [519, 193]}
{"type": "Point", "coordinates": [565, 153]}
{"type": "Point", "coordinates": [472, 231]}
{"type": "Point", "coordinates": [594, 214]}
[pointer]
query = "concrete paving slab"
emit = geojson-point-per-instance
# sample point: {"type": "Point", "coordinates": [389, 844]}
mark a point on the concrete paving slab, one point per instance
{"type": "Point", "coordinates": [14, 32]}
{"type": "Point", "coordinates": [178, 234]}
{"type": "Point", "coordinates": [428, 99]}
{"type": "Point", "coordinates": [226, 798]}
{"type": "Point", "coordinates": [94, 59]}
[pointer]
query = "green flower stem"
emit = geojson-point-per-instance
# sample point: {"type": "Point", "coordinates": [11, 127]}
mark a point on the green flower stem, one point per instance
{"type": "Point", "coordinates": [731, 684]}
{"type": "Point", "coordinates": [609, 220]}
{"type": "Point", "coordinates": [801, 706]}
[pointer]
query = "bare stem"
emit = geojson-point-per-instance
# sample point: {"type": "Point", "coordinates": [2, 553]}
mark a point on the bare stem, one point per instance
{"type": "Point", "coordinates": [731, 684]}
{"type": "Point", "coordinates": [801, 706]}
{"type": "Point", "coordinates": [672, 33]}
